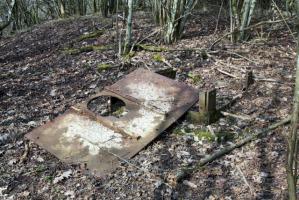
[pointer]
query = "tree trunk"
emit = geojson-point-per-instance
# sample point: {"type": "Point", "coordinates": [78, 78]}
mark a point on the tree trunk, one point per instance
{"type": "Point", "coordinates": [292, 152]}
{"type": "Point", "coordinates": [128, 39]}
{"type": "Point", "coordinates": [248, 9]}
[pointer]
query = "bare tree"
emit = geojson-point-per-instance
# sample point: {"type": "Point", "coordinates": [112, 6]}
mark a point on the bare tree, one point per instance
{"type": "Point", "coordinates": [172, 16]}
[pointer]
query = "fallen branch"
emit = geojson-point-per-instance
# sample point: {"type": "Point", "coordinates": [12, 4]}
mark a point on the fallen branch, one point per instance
{"type": "Point", "coordinates": [242, 117]}
{"type": "Point", "coordinates": [187, 171]}
{"type": "Point", "coordinates": [239, 55]}
{"type": "Point", "coordinates": [244, 179]}
{"type": "Point", "coordinates": [228, 74]}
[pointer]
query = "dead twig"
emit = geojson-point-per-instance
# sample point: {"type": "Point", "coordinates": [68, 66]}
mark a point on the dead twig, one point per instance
{"type": "Point", "coordinates": [228, 74]}
{"type": "Point", "coordinates": [239, 55]}
{"type": "Point", "coordinates": [244, 179]}
{"type": "Point", "coordinates": [284, 20]}
{"type": "Point", "coordinates": [242, 117]}
{"type": "Point", "coordinates": [231, 66]}
{"type": "Point", "coordinates": [25, 154]}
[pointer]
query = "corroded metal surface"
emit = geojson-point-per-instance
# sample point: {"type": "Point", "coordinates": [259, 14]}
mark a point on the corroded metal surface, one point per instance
{"type": "Point", "coordinates": [153, 103]}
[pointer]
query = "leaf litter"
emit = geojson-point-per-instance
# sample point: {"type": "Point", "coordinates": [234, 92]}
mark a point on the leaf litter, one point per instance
{"type": "Point", "coordinates": [41, 82]}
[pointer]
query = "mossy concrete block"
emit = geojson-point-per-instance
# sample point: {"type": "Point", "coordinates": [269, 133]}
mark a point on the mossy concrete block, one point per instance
{"type": "Point", "coordinates": [203, 117]}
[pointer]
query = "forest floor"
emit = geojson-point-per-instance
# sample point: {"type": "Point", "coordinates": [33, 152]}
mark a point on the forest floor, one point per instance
{"type": "Point", "coordinates": [44, 71]}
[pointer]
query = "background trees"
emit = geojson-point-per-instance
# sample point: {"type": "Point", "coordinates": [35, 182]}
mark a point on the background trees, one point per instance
{"type": "Point", "coordinates": [170, 15]}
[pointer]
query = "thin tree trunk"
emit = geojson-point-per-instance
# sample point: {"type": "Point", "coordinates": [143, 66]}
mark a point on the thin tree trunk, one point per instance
{"type": "Point", "coordinates": [291, 167]}
{"type": "Point", "coordinates": [248, 8]}
{"type": "Point", "coordinates": [128, 39]}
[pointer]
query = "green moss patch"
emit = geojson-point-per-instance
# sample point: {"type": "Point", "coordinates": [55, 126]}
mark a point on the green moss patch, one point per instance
{"type": "Point", "coordinates": [103, 66]}
{"type": "Point", "coordinates": [196, 78]}
{"type": "Point", "coordinates": [91, 35]}
{"type": "Point", "coordinates": [158, 57]}
{"type": "Point", "coordinates": [76, 51]}
{"type": "Point", "coordinates": [205, 135]}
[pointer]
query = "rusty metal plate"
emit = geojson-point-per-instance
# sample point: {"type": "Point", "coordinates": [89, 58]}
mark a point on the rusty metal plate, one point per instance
{"type": "Point", "coordinates": [80, 136]}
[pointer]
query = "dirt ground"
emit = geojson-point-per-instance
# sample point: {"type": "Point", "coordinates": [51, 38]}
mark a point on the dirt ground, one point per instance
{"type": "Point", "coordinates": [40, 78]}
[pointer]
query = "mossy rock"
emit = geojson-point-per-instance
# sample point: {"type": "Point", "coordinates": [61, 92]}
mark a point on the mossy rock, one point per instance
{"type": "Point", "coordinates": [103, 66]}
{"type": "Point", "coordinates": [91, 35]}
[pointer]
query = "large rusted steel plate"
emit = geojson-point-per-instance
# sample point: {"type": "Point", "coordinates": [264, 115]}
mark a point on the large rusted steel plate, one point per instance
{"type": "Point", "coordinates": [80, 136]}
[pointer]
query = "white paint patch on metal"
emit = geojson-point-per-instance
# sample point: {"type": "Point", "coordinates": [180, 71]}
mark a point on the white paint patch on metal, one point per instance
{"type": "Point", "coordinates": [153, 95]}
{"type": "Point", "coordinates": [144, 124]}
{"type": "Point", "coordinates": [91, 134]}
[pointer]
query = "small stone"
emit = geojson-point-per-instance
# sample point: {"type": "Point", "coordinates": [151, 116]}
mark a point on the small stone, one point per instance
{"type": "Point", "coordinates": [40, 159]}
{"type": "Point", "coordinates": [12, 162]}
{"type": "Point", "coordinates": [32, 123]}
{"type": "Point", "coordinates": [11, 112]}
{"type": "Point", "coordinates": [93, 86]}
{"type": "Point", "coordinates": [190, 184]}
{"type": "Point", "coordinates": [184, 153]}
{"type": "Point", "coordinates": [70, 194]}
{"type": "Point", "coordinates": [177, 60]}
{"type": "Point", "coordinates": [158, 184]}
{"type": "Point", "coordinates": [53, 93]}
{"type": "Point", "coordinates": [120, 74]}
{"type": "Point", "coordinates": [191, 126]}
{"type": "Point", "coordinates": [264, 174]}
{"type": "Point", "coordinates": [25, 193]}
{"type": "Point", "coordinates": [4, 138]}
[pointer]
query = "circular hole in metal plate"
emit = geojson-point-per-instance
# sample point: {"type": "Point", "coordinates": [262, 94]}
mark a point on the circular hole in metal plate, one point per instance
{"type": "Point", "coordinates": [108, 106]}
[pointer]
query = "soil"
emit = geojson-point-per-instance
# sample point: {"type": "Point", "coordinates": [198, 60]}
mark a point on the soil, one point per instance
{"type": "Point", "coordinates": [40, 80]}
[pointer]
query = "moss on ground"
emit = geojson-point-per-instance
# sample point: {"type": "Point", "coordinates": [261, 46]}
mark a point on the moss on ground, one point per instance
{"type": "Point", "coordinates": [76, 51]}
{"type": "Point", "coordinates": [205, 135]}
{"type": "Point", "coordinates": [103, 66]}
{"type": "Point", "coordinates": [91, 35]}
{"type": "Point", "coordinates": [158, 57]}
{"type": "Point", "coordinates": [196, 78]}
